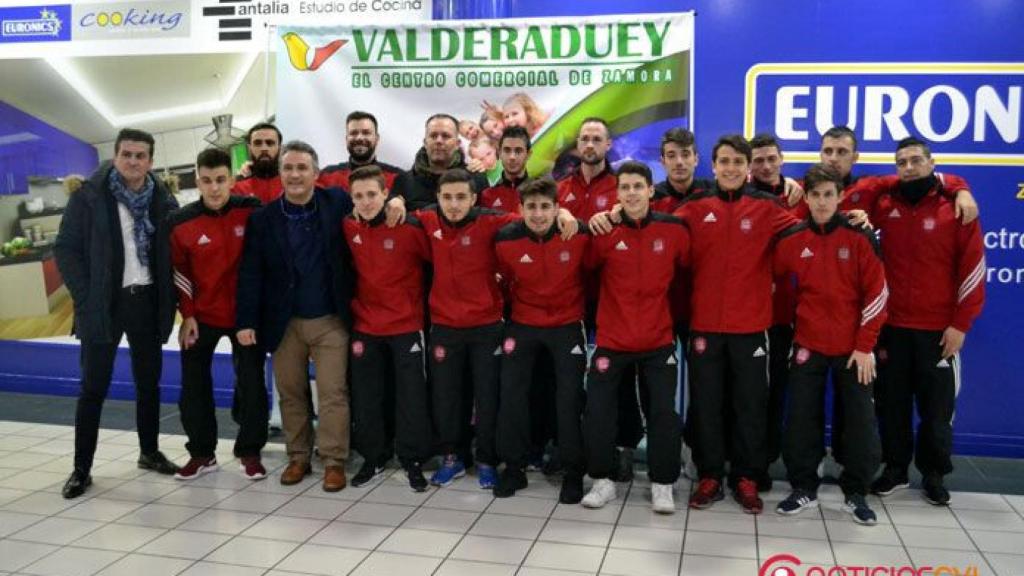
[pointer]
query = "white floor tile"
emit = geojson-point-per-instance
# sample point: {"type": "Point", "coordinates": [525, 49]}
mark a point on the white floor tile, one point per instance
{"type": "Point", "coordinates": [215, 569]}
{"type": "Point", "coordinates": [935, 516]}
{"type": "Point", "coordinates": [927, 537]}
{"type": "Point", "coordinates": [182, 544]}
{"type": "Point", "coordinates": [570, 532]}
{"type": "Point", "coordinates": [393, 494]}
{"type": "Point", "coordinates": [317, 508]}
{"type": "Point", "coordinates": [253, 502]}
{"type": "Point", "coordinates": [708, 521]}
{"type": "Point", "coordinates": [720, 544]}
{"type": "Point", "coordinates": [505, 526]}
{"type": "Point", "coordinates": [467, 568]}
{"type": "Point", "coordinates": [11, 522]}
{"type": "Point", "coordinates": [565, 556]}
{"type": "Point", "coordinates": [640, 563]}
{"type": "Point", "coordinates": [389, 564]}
{"type": "Point", "coordinates": [139, 491]}
{"type": "Point", "coordinates": [34, 480]}
{"type": "Point", "coordinates": [487, 549]}
{"type": "Point", "coordinates": [607, 515]}
{"type": "Point", "coordinates": [23, 460]}
{"type": "Point", "coordinates": [637, 516]}
{"type": "Point", "coordinates": [979, 501]}
{"type": "Point", "coordinates": [1005, 564]}
{"type": "Point", "coordinates": [257, 552]}
{"type": "Point", "coordinates": [379, 514]}
{"type": "Point", "coordinates": [159, 515]}
{"type": "Point", "coordinates": [352, 535]}
{"type": "Point", "coordinates": [459, 500]}
{"type": "Point", "coordinates": [808, 524]}
{"type": "Point", "coordinates": [1000, 542]}
{"type": "Point", "coordinates": [814, 551]}
{"type": "Point", "coordinates": [651, 539]}
{"type": "Point", "coordinates": [17, 555]}
{"type": "Point", "coordinates": [937, 556]}
{"type": "Point", "coordinates": [43, 503]}
{"type": "Point", "coordinates": [326, 560]}
{"type": "Point", "coordinates": [443, 520]}
{"type": "Point", "coordinates": [73, 562]}
{"type": "Point", "coordinates": [534, 571]}
{"type": "Point", "coordinates": [420, 542]}
{"type": "Point", "coordinates": [846, 530]}
{"type": "Point", "coordinates": [695, 565]}
{"type": "Point", "coordinates": [517, 506]}
{"type": "Point", "coordinates": [221, 521]}
{"type": "Point", "coordinates": [8, 495]}
{"type": "Point", "coordinates": [56, 530]}
{"type": "Point", "coordinates": [189, 495]}
{"type": "Point", "coordinates": [119, 537]}
{"type": "Point", "coordinates": [285, 528]}
{"type": "Point", "coordinates": [984, 520]}
{"type": "Point", "coordinates": [869, 554]}
{"type": "Point", "coordinates": [101, 509]}
{"type": "Point", "coordinates": [138, 564]}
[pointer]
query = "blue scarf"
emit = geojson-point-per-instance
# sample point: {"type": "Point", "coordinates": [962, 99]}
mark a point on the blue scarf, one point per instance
{"type": "Point", "coordinates": [138, 204]}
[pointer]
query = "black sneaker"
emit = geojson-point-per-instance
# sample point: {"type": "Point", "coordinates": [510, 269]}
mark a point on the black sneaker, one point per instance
{"type": "Point", "coordinates": [572, 489]}
{"type": "Point", "coordinates": [76, 484]}
{"type": "Point", "coordinates": [797, 501]}
{"type": "Point", "coordinates": [366, 473]}
{"type": "Point", "coordinates": [858, 507]}
{"type": "Point", "coordinates": [511, 479]}
{"type": "Point", "coordinates": [889, 482]}
{"type": "Point", "coordinates": [416, 480]}
{"type": "Point", "coordinates": [158, 463]}
{"type": "Point", "coordinates": [934, 492]}
{"type": "Point", "coordinates": [624, 473]}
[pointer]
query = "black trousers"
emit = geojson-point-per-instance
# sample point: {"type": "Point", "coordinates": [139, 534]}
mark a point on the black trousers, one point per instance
{"type": "Point", "coordinates": [780, 341]}
{"type": "Point", "coordinates": [913, 372]}
{"type": "Point", "coordinates": [389, 377]}
{"type": "Point", "coordinates": [729, 368]}
{"type": "Point", "coordinates": [249, 407]}
{"type": "Point", "coordinates": [134, 315]}
{"type": "Point", "coordinates": [476, 352]}
{"type": "Point", "coordinates": [522, 345]}
{"type": "Point", "coordinates": [804, 445]}
{"type": "Point", "coordinates": [600, 424]}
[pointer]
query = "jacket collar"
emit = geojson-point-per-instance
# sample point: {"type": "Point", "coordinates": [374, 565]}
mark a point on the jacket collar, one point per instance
{"type": "Point", "coordinates": [828, 227]}
{"type": "Point", "coordinates": [470, 217]}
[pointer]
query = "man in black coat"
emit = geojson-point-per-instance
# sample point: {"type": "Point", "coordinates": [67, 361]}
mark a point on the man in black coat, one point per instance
{"type": "Point", "coordinates": [113, 252]}
{"type": "Point", "coordinates": [295, 286]}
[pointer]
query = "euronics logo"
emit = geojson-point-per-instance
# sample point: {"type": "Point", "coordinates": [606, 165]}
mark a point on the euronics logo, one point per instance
{"type": "Point", "coordinates": [971, 112]}
{"type": "Point", "coordinates": [34, 24]}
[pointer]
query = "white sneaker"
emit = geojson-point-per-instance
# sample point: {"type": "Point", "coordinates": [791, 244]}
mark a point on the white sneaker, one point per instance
{"type": "Point", "coordinates": [662, 501]}
{"type": "Point", "coordinates": [601, 493]}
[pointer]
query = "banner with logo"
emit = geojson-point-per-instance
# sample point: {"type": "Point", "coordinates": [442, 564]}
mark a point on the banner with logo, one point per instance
{"type": "Point", "coordinates": [139, 27]}
{"type": "Point", "coordinates": [544, 74]}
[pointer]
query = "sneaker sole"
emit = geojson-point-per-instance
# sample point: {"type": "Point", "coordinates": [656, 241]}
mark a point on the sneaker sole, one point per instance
{"type": "Point", "coordinates": [594, 505]}
{"type": "Point", "coordinates": [808, 506]}
{"type": "Point", "coordinates": [202, 470]}
{"type": "Point", "coordinates": [892, 491]}
{"type": "Point", "coordinates": [850, 510]}
{"type": "Point", "coordinates": [254, 477]}
{"type": "Point", "coordinates": [718, 498]}
{"type": "Point", "coordinates": [450, 480]}
{"type": "Point", "coordinates": [933, 502]}
{"type": "Point", "coordinates": [664, 509]}
{"type": "Point", "coordinates": [355, 484]}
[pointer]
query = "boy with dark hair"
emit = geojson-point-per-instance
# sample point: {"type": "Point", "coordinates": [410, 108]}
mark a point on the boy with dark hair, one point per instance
{"type": "Point", "coordinates": [840, 307]}
{"type": "Point", "coordinates": [387, 337]}
{"type": "Point", "coordinates": [544, 276]}
{"type": "Point", "coordinates": [206, 250]}
{"type": "Point", "coordinates": [514, 152]}
{"type": "Point", "coordinates": [361, 139]}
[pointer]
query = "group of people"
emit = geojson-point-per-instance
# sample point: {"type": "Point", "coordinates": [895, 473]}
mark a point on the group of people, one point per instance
{"type": "Point", "coordinates": [454, 316]}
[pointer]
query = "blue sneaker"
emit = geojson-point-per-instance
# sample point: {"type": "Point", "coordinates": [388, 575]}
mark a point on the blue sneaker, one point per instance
{"type": "Point", "coordinates": [487, 476]}
{"type": "Point", "coordinates": [451, 468]}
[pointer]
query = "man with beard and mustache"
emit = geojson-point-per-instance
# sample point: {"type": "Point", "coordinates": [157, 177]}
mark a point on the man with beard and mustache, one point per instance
{"type": "Point", "coordinates": [361, 139]}
{"type": "Point", "coordinates": [935, 266]}
{"type": "Point", "coordinates": [262, 180]}
{"type": "Point", "coordinates": [440, 152]}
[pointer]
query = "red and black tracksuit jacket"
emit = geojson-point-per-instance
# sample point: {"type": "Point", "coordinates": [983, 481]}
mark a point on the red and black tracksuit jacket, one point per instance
{"type": "Point", "coordinates": [503, 196]}
{"type": "Point", "coordinates": [732, 238]}
{"type": "Point", "coordinates": [266, 189]}
{"type": "Point", "coordinates": [666, 200]}
{"type": "Point", "coordinates": [840, 285]}
{"type": "Point", "coordinates": [783, 290]}
{"type": "Point", "coordinates": [584, 200]}
{"type": "Point", "coordinates": [465, 291]}
{"type": "Point", "coordinates": [861, 193]}
{"type": "Point", "coordinates": [637, 261]}
{"type": "Point", "coordinates": [206, 250]}
{"type": "Point", "coordinates": [389, 274]}
{"type": "Point", "coordinates": [336, 175]}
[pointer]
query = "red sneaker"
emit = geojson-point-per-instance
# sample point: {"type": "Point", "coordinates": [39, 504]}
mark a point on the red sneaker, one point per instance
{"type": "Point", "coordinates": [707, 493]}
{"type": "Point", "coordinates": [252, 468]}
{"type": "Point", "coordinates": [746, 495]}
{"type": "Point", "coordinates": [196, 467]}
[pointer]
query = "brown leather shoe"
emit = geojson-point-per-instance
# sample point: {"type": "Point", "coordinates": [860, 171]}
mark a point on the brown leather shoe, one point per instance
{"type": "Point", "coordinates": [334, 478]}
{"type": "Point", "coordinates": [294, 472]}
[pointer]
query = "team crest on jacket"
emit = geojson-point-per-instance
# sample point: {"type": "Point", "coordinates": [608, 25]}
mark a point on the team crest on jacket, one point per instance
{"type": "Point", "coordinates": [389, 244]}
{"type": "Point", "coordinates": [928, 224]}
{"type": "Point", "coordinates": [855, 197]}
{"type": "Point", "coordinates": [356, 239]}
{"type": "Point", "coordinates": [465, 240]}
{"type": "Point", "coordinates": [700, 344]}
{"type": "Point", "coordinates": [602, 363]}
{"type": "Point", "coordinates": [844, 253]}
{"type": "Point", "coordinates": [802, 355]}
{"type": "Point", "coordinates": [602, 201]}
{"type": "Point", "coordinates": [358, 348]}
{"type": "Point", "coordinates": [883, 355]}
{"type": "Point", "coordinates": [564, 256]}
{"type": "Point", "coordinates": [659, 245]}
{"type": "Point", "coordinates": [509, 345]}
{"type": "Point", "coordinates": [239, 231]}
{"type": "Point", "coordinates": [440, 353]}
{"type": "Point", "coordinates": [746, 225]}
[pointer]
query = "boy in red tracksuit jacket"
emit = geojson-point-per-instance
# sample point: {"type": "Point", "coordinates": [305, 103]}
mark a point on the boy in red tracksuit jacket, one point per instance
{"type": "Point", "coordinates": [637, 261]}
{"type": "Point", "coordinates": [206, 248]}
{"type": "Point", "coordinates": [466, 320]}
{"type": "Point", "coordinates": [840, 308]}
{"type": "Point", "coordinates": [514, 153]}
{"type": "Point", "coordinates": [544, 276]}
{"type": "Point", "coordinates": [387, 337]}
{"type": "Point", "coordinates": [591, 188]}
{"type": "Point", "coordinates": [263, 182]}
{"type": "Point", "coordinates": [733, 229]}
{"type": "Point", "coordinates": [935, 266]}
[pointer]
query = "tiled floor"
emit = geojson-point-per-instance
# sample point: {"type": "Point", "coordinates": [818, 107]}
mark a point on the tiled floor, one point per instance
{"type": "Point", "coordinates": [140, 524]}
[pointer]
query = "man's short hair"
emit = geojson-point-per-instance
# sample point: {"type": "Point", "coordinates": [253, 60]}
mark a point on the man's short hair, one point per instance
{"type": "Point", "coordinates": [841, 131]}
{"type": "Point", "coordinates": [456, 176]}
{"type": "Point", "coordinates": [680, 137]}
{"type": "Point", "coordinates": [911, 141]}
{"type": "Point", "coordinates": [368, 172]}
{"type": "Point", "coordinates": [442, 115]}
{"type": "Point", "coordinates": [544, 186]}
{"type": "Point", "coordinates": [820, 173]}
{"type": "Point", "coordinates": [634, 167]}
{"type": "Point", "coordinates": [300, 146]}
{"type": "Point", "coordinates": [514, 132]}
{"type": "Point", "coordinates": [134, 135]}
{"type": "Point", "coordinates": [763, 140]}
{"type": "Point", "coordinates": [212, 158]}
{"type": "Point", "coordinates": [262, 126]}
{"type": "Point", "coordinates": [360, 115]}
{"type": "Point", "coordinates": [596, 120]}
{"type": "Point", "coordinates": [734, 141]}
